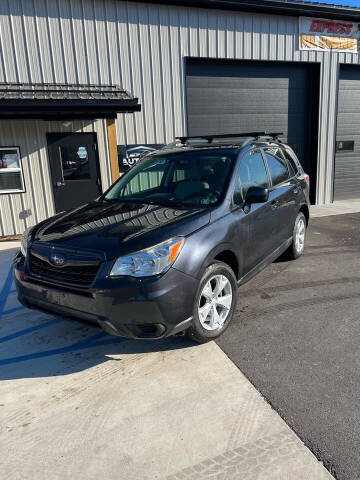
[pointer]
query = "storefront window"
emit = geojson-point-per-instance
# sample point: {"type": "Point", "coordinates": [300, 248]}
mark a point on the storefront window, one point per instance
{"type": "Point", "coordinates": [11, 175]}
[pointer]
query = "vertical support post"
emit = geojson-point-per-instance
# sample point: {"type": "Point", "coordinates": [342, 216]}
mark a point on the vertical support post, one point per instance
{"type": "Point", "coordinates": [112, 142]}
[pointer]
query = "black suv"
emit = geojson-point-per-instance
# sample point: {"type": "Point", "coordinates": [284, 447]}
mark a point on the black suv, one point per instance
{"type": "Point", "coordinates": [165, 248]}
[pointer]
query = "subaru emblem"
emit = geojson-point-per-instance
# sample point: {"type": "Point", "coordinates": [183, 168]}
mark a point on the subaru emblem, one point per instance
{"type": "Point", "coordinates": [57, 259]}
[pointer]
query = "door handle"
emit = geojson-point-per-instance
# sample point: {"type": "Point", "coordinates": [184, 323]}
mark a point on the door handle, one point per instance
{"type": "Point", "coordinates": [296, 191]}
{"type": "Point", "coordinates": [60, 184]}
{"type": "Point", "coordinates": [274, 205]}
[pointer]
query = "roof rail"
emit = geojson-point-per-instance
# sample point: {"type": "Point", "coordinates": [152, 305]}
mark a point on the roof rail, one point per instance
{"type": "Point", "coordinates": [210, 138]}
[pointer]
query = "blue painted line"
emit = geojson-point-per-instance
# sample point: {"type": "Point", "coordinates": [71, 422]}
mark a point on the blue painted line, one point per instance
{"type": "Point", "coordinates": [91, 340]}
{"type": "Point", "coordinates": [29, 330]}
{"type": "Point", "coordinates": [88, 343]}
{"type": "Point", "coordinates": [13, 310]}
{"type": "Point", "coordinates": [6, 290]}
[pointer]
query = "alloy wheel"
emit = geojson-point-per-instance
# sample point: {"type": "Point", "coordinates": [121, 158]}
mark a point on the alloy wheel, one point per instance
{"type": "Point", "coordinates": [300, 236]}
{"type": "Point", "coordinates": [215, 302]}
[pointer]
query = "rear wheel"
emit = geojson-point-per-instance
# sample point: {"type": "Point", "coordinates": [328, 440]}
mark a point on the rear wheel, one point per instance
{"type": "Point", "coordinates": [214, 303]}
{"type": "Point", "coordinates": [299, 236]}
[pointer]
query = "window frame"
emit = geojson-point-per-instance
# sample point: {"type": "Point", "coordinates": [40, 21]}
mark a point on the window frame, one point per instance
{"type": "Point", "coordinates": [237, 175]}
{"type": "Point", "coordinates": [269, 173]}
{"type": "Point", "coordinates": [13, 170]}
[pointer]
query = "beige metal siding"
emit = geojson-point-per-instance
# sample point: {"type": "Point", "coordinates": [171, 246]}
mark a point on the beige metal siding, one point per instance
{"type": "Point", "coordinates": [142, 47]}
{"type": "Point", "coordinates": [21, 210]}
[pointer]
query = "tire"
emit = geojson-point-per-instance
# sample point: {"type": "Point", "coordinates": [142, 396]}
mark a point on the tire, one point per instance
{"type": "Point", "coordinates": [296, 249]}
{"type": "Point", "coordinates": [208, 326]}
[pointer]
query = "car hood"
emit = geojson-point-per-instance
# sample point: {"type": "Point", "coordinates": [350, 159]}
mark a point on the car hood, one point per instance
{"type": "Point", "coordinates": [117, 228]}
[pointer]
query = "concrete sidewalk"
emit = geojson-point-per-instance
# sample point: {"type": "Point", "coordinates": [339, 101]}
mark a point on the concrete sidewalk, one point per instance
{"type": "Point", "coordinates": [77, 403]}
{"type": "Point", "coordinates": [336, 208]}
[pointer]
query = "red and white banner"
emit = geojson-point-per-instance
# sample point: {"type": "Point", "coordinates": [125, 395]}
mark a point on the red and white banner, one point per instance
{"type": "Point", "coordinates": [322, 34]}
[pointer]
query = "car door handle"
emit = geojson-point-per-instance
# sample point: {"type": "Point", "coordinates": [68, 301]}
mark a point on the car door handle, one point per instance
{"type": "Point", "coordinates": [296, 191]}
{"type": "Point", "coordinates": [275, 204]}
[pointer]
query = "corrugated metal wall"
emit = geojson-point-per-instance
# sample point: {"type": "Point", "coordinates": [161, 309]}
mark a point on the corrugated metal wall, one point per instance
{"type": "Point", "coordinates": [142, 47]}
{"type": "Point", "coordinates": [21, 210]}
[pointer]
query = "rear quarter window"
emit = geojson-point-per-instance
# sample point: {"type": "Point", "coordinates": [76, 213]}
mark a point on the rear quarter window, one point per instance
{"type": "Point", "coordinates": [278, 167]}
{"type": "Point", "coordinates": [293, 162]}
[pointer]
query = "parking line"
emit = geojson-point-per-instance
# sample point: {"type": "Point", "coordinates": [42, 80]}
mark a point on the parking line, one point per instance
{"type": "Point", "coordinates": [88, 343]}
{"type": "Point", "coordinates": [6, 290]}
{"type": "Point", "coordinates": [13, 310]}
{"type": "Point", "coordinates": [29, 330]}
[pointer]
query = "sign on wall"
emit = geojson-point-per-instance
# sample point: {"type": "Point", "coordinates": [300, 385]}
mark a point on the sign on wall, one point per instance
{"type": "Point", "coordinates": [129, 155]}
{"type": "Point", "coordinates": [325, 35]}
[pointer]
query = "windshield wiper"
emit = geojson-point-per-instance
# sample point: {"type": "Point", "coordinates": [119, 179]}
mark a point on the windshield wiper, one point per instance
{"type": "Point", "coordinates": [122, 200]}
{"type": "Point", "coordinates": [161, 203]}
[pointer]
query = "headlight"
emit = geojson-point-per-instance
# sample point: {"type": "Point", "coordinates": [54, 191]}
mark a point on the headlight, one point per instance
{"type": "Point", "coordinates": [25, 240]}
{"type": "Point", "coordinates": [151, 261]}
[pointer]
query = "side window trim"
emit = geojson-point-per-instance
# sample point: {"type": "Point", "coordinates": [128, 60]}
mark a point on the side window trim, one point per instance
{"type": "Point", "coordinates": [271, 186]}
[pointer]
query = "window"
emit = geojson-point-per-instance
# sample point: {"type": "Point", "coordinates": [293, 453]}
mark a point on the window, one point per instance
{"type": "Point", "coordinates": [75, 163]}
{"type": "Point", "coordinates": [184, 178]}
{"type": "Point", "coordinates": [293, 165]}
{"type": "Point", "coordinates": [148, 178]}
{"type": "Point", "coordinates": [345, 146]}
{"type": "Point", "coordinates": [279, 172]}
{"type": "Point", "coordinates": [252, 174]}
{"type": "Point", "coordinates": [11, 176]}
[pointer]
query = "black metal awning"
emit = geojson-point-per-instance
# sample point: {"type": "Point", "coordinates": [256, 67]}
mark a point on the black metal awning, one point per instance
{"type": "Point", "coordinates": [64, 101]}
{"type": "Point", "coordinates": [280, 7]}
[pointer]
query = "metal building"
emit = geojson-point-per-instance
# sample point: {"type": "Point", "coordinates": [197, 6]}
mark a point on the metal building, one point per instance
{"type": "Point", "coordinates": [68, 68]}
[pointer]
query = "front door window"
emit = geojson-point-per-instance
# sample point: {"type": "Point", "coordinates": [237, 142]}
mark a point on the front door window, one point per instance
{"type": "Point", "coordinates": [252, 173]}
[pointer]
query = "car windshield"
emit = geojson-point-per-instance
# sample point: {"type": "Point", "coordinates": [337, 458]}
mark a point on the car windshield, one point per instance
{"type": "Point", "coordinates": [196, 178]}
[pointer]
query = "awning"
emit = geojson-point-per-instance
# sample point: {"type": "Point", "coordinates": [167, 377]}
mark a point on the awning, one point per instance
{"type": "Point", "coordinates": [306, 8]}
{"type": "Point", "coordinates": [53, 101]}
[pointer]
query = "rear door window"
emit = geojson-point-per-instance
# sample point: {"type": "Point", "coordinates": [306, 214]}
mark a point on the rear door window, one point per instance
{"type": "Point", "coordinates": [277, 165]}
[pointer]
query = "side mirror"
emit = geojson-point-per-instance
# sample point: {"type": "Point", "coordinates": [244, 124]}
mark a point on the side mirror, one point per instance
{"type": "Point", "coordinates": [256, 195]}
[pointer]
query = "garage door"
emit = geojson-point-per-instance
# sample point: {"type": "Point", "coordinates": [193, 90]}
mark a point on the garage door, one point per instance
{"type": "Point", "coordinates": [347, 159]}
{"type": "Point", "coordinates": [233, 97]}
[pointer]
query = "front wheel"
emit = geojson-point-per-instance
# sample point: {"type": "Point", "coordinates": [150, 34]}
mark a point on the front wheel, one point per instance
{"type": "Point", "coordinates": [215, 303]}
{"type": "Point", "coordinates": [299, 236]}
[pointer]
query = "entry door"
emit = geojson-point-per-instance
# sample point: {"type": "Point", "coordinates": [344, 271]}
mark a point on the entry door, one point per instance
{"type": "Point", "coordinates": [74, 167]}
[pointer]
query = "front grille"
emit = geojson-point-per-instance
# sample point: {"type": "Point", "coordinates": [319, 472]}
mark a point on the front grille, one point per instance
{"type": "Point", "coordinates": [82, 275]}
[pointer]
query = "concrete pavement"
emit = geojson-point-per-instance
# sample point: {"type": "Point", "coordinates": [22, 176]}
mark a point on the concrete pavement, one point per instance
{"type": "Point", "coordinates": [336, 208]}
{"type": "Point", "coordinates": [298, 327]}
{"type": "Point", "coordinates": [77, 403]}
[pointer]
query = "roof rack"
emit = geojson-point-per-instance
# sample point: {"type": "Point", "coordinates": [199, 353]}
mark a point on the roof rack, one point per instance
{"type": "Point", "coordinates": [210, 138]}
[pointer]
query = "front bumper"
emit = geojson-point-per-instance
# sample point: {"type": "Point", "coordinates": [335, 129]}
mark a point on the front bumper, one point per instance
{"type": "Point", "coordinates": [129, 307]}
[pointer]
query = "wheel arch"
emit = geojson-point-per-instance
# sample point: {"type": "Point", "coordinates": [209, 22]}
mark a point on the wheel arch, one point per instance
{"type": "Point", "coordinates": [229, 258]}
{"type": "Point", "coordinates": [305, 210]}
{"type": "Point", "coordinates": [226, 254]}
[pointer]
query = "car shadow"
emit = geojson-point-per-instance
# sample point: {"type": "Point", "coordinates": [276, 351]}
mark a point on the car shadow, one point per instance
{"type": "Point", "coordinates": [50, 346]}
{"type": "Point", "coordinates": [34, 344]}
